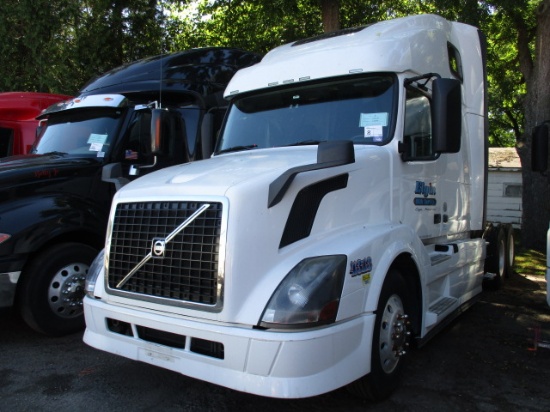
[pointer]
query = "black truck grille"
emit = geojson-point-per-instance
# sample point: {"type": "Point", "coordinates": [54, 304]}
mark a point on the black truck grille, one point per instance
{"type": "Point", "coordinates": [187, 270]}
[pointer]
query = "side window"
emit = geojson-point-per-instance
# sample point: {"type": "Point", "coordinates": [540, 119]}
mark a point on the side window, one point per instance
{"type": "Point", "coordinates": [512, 190]}
{"type": "Point", "coordinates": [417, 137]}
{"type": "Point", "coordinates": [174, 144]}
{"type": "Point", "coordinates": [6, 141]}
{"type": "Point", "coordinates": [455, 63]}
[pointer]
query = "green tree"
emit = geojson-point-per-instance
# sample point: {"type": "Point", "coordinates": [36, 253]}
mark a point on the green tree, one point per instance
{"type": "Point", "coordinates": [534, 63]}
{"type": "Point", "coordinates": [58, 45]}
{"type": "Point", "coordinates": [33, 33]}
{"type": "Point", "coordinates": [254, 26]}
{"type": "Point", "coordinates": [113, 32]}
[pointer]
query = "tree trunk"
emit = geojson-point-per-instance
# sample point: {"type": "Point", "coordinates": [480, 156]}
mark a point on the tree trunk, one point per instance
{"type": "Point", "coordinates": [331, 15]}
{"type": "Point", "coordinates": [117, 25]}
{"type": "Point", "coordinates": [536, 187]}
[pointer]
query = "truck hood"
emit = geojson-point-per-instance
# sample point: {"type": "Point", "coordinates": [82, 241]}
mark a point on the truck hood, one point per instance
{"type": "Point", "coordinates": [217, 175]}
{"type": "Point", "coordinates": [261, 241]}
{"type": "Point", "coordinates": [34, 160]}
{"type": "Point", "coordinates": [26, 169]}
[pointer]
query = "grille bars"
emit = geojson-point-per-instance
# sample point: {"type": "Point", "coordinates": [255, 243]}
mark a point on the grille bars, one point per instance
{"type": "Point", "coordinates": [168, 238]}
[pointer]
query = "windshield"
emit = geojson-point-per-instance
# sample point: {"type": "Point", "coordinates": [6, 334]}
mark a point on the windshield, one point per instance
{"type": "Point", "coordinates": [79, 133]}
{"type": "Point", "coordinates": [359, 109]}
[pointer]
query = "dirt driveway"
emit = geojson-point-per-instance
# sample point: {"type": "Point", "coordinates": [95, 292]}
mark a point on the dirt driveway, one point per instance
{"type": "Point", "coordinates": [483, 361]}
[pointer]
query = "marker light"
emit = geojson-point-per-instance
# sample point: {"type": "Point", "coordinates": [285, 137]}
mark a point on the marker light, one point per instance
{"type": "Point", "coordinates": [93, 273]}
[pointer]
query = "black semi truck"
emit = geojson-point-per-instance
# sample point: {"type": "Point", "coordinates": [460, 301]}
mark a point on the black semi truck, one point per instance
{"type": "Point", "coordinates": [55, 201]}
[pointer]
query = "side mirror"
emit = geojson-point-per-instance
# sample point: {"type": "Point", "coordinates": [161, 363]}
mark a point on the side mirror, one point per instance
{"type": "Point", "coordinates": [446, 115]}
{"type": "Point", "coordinates": [539, 148]}
{"type": "Point", "coordinates": [158, 118]}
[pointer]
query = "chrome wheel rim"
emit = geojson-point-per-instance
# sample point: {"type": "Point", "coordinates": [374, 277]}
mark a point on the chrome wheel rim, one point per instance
{"type": "Point", "coordinates": [394, 333]}
{"type": "Point", "coordinates": [66, 290]}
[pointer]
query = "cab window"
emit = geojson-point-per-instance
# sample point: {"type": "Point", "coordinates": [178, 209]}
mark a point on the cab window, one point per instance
{"type": "Point", "coordinates": [417, 136]}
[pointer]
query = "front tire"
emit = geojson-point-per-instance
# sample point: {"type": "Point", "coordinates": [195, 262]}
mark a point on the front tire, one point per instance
{"type": "Point", "coordinates": [52, 288]}
{"type": "Point", "coordinates": [390, 341]}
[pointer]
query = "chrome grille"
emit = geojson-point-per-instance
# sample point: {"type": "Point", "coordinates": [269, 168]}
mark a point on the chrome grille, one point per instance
{"type": "Point", "coordinates": [188, 270]}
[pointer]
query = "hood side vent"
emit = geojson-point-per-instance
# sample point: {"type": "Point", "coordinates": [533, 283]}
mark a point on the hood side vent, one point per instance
{"type": "Point", "coordinates": [305, 206]}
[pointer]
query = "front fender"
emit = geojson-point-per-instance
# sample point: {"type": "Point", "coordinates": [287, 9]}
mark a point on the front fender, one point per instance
{"type": "Point", "coordinates": [370, 249]}
{"type": "Point", "coordinates": [395, 241]}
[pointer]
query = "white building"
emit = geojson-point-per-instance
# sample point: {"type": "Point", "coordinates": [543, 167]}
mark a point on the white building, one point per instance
{"type": "Point", "coordinates": [504, 186]}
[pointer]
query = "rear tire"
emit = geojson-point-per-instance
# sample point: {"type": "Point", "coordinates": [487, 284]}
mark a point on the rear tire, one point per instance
{"type": "Point", "coordinates": [390, 341]}
{"type": "Point", "coordinates": [52, 288]}
{"type": "Point", "coordinates": [510, 251]}
{"type": "Point", "coordinates": [495, 261]}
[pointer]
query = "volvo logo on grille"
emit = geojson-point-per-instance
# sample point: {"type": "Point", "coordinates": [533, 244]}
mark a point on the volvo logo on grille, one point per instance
{"type": "Point", "coordinates": [158, 248]}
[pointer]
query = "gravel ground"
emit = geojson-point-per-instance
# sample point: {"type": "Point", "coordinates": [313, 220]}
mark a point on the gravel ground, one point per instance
{"type": "Point", "coordinates": [484, 361]}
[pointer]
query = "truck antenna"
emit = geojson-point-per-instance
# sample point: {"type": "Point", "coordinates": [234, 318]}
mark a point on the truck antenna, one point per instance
{"type": "Point", "coordinates": [162, 49]}
{"type": "Point", "coordinates": [160, 82]}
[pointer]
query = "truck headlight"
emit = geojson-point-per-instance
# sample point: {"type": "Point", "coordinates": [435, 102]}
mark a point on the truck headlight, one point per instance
{"type": "Point", "coordinates": [93, 273]}
{"type": "Point", "coordinates": [309, 295]}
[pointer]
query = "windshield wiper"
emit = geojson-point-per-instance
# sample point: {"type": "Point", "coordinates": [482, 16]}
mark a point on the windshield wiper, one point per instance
{"type": "Point", "coordinates": [55, 153]}
{"type": "Point", "coordinates": [238, 148]}
{"type": "Point", "coordinates": [306, 143]}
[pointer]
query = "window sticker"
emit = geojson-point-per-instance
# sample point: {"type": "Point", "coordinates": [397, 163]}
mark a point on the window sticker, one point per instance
{"type": "Point", "coordinates": [373, 119]}
{"type": "Point", "coordinates": [100, 154]}
{"type": "Point", "coordinates": [97, 138]}
{"type": "Point", "coordinates": [96, 147]}
{"type": "Point", "coordinates": [374, 132]}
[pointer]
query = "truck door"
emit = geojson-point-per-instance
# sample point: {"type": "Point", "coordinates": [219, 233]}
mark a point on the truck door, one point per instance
{"type": "Point", "coordinates": [431, 190]}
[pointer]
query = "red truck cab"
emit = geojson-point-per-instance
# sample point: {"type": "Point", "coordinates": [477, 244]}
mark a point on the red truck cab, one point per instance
{"type": "Point", "coordinates": [18, 111]}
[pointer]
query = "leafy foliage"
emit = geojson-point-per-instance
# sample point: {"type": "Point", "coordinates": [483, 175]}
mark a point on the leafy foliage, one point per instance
{"type": "Point", "coordinates": [58, 45]}
{"type": "Point", "coordinates": [255, 26]}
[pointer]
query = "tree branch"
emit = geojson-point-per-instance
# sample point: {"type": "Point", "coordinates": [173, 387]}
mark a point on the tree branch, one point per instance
{"type": "Point", "coordinates": [514, 123]}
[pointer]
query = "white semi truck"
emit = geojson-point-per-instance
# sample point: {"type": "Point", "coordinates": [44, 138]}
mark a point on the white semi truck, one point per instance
{"type": "Point", "coordinates": [340, 218]}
